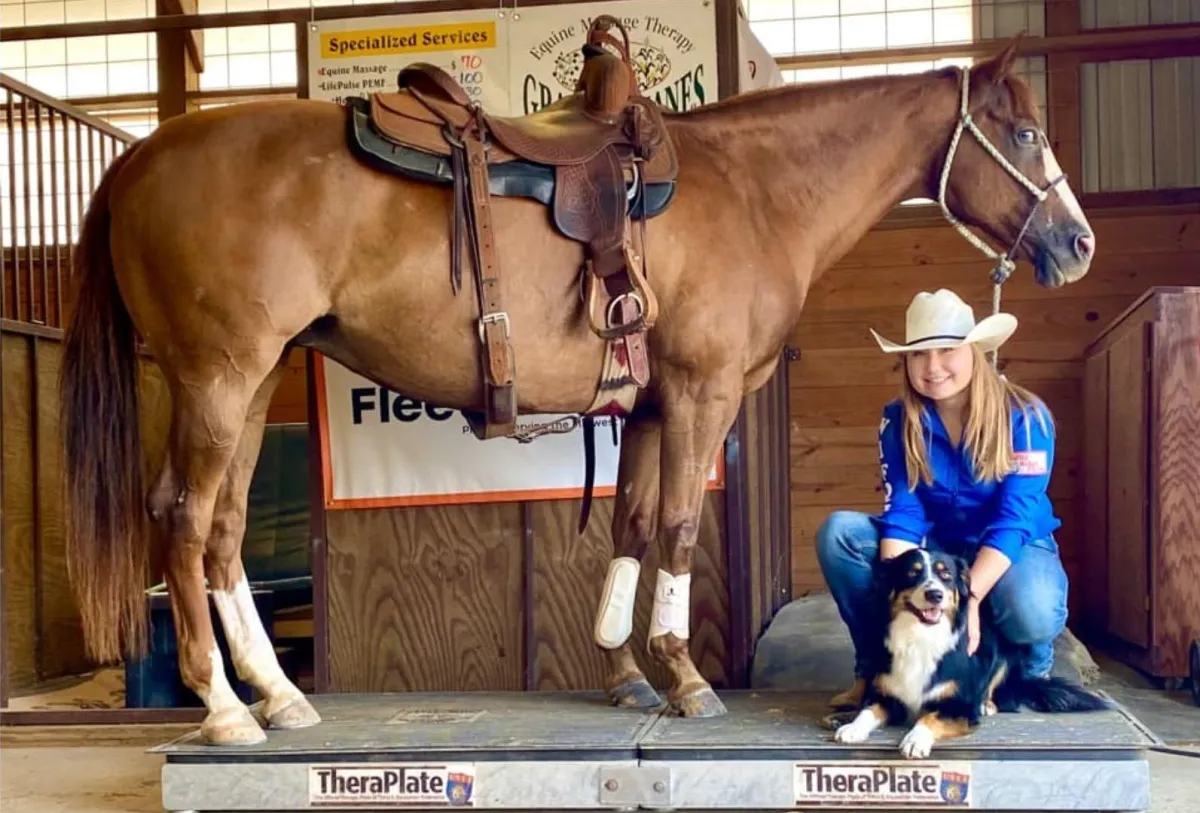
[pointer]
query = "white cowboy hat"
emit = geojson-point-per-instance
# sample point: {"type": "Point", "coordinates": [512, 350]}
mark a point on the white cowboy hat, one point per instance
{"type": "Point", "coordinates": [943, 320]}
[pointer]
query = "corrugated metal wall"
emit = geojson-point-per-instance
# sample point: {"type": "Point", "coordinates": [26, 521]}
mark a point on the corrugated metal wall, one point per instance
{"type": "Point", "coordinates": [1141, 118]}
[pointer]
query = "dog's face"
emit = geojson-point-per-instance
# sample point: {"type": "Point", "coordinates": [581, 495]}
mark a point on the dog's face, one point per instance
{"type": "Point", "coordinates": [931, 585]}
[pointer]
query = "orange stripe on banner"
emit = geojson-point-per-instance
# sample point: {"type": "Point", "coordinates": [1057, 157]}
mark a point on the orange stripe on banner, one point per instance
{"type": "Point", "coordinates": [462, 498]}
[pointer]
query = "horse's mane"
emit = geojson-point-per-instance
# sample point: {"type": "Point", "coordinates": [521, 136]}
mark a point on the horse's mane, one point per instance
{"type": "Point", "coordinates": [798, 96]}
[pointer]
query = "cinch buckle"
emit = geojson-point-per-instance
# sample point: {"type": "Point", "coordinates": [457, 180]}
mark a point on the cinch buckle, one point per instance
{"type": "Point", "coordinates": [495, 316]}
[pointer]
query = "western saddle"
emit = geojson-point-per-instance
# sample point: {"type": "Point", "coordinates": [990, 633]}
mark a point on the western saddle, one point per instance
{"type": "Point", "coordinates": [597, 158]}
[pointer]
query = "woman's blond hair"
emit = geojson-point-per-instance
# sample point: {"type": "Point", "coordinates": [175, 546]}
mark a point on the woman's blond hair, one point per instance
{"type": "Point", "coordinates": [987, 432]}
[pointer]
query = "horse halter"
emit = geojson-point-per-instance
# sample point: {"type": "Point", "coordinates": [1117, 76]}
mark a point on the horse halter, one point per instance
{"type": "Point", "coordinates": [1004, 262]}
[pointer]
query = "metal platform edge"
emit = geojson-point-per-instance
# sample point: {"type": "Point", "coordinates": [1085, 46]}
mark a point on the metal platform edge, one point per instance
{"type": "Point", "coordinates": [1080, 785]}
{"type": "Point", "coordinates": [667, 777]}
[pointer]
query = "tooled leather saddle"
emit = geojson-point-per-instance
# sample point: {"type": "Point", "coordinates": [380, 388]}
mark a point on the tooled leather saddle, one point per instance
{"type": "Point", "coordinates": [599, 159]}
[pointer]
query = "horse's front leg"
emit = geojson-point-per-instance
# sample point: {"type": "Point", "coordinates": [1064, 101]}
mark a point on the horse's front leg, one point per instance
{"type": "Point", "coordinates": [635, 510]}
{"type": "Point", "coordinates": [698, 410]}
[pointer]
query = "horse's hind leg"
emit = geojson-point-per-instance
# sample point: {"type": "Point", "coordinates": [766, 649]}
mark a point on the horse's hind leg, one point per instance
{"type": "Point", "coordinates": [284, 706]}
{"type": "Point", "coordinates": [635, 511]}
{"type": "Point", "coordinates": [210, 403]}
{"type": "Point", "coordinates": [697, 413]}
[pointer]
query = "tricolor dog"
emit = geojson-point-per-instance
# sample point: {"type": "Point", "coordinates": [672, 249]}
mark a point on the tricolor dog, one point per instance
{"type": "Point", "coordinates": [924, 673]}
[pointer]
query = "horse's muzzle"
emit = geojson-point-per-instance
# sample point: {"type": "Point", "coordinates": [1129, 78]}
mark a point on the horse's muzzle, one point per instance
{"type": "Point", "coordinates": [1064, 255]}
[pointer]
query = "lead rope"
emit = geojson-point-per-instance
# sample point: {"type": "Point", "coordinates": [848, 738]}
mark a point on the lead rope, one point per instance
{"type": "Point", "coordinates": [995, 354]}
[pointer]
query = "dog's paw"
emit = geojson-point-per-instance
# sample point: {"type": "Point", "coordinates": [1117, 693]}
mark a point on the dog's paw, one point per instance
{"type": "Point", "coordinates": [917, 743]}
{"type": "Point", "coordinates": [989, 709]}
{"type": "Point", "coordinates": [852, 732]}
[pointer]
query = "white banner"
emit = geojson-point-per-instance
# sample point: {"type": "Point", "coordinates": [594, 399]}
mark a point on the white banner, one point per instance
{"type": "Point", "coordinates": [672, 44]}
{"type": "Point", "coordinates": [756, 67]}
{"type": "Point", "coordinates": [380, 448]}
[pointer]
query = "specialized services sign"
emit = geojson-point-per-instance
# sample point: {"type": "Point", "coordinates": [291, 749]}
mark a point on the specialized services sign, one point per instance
{"type": "Point", "coordinates": [360, 56]}
{"type": "Point", "coordinates": [381, 448]}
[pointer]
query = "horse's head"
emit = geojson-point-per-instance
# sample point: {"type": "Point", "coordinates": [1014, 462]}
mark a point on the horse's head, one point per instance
{"type": "Point", "coordinates": [1000, 175]}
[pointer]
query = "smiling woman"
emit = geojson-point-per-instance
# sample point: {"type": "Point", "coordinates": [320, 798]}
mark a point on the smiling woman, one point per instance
{"type": "Point", "coordinates": [965, 458]}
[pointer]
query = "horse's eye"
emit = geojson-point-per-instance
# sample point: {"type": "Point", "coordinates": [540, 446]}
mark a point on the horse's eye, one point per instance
{"type": "Point", "coordinates": [1027, 137]}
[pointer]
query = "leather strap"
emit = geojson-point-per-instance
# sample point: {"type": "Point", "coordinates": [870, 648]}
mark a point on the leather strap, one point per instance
{"type": "Point", "coordinates": [498, 368]}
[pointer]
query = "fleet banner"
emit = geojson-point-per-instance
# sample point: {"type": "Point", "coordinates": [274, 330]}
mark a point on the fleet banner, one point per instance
{"type": "Point", "coordinates": [381, 448]}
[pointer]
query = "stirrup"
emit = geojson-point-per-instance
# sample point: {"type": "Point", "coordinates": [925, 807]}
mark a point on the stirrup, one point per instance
{"type": "Point", "coordinates": [640, 293]}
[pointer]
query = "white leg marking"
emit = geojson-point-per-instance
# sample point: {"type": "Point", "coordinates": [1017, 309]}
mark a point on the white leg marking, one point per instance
{"type": "Point", "coordinates": [218, 695]}
{"type": "Point", "coordinates": [859, 729]}
{"type": "Point", "coordinates": [672, 605]}
{"type": "Point", "coordinates": [614, 621]}
{"type": "Point", "coordinates": [918, 742]}
{"type": "Point", "coordinates": [228, 720]}
{"type": "Point", "coordinates": [251, 650]}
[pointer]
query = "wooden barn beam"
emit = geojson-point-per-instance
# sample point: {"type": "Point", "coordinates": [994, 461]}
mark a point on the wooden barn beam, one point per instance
{"type": "Point", "coordinates": [195, 39]}
{"type": "Point", "coordinates": [177, 71]}
{"type": "Point", "coordinates": [1063, 83]}
{"type": "Point", "coordinates": [1130, 42]}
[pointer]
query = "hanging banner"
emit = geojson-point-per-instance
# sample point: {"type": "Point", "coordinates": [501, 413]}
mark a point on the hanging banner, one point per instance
{"type": "Point", "coordinates": [380, 448]}
{"type": "Point", "coordinates": [673, 47]}
{"type": "Point", "coordinates": [756, 67]}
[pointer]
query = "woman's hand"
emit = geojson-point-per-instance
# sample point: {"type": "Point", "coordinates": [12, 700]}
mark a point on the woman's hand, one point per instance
{"type": "Point", "coordinates": [972, 625]}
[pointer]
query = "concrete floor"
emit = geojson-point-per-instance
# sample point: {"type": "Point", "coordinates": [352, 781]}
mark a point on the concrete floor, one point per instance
{"type": "Point", "coordinates": [46, 774]}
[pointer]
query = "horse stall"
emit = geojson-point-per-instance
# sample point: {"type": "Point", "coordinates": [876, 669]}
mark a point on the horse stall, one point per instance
{"type": "Point", "coordinates": [431, 594]}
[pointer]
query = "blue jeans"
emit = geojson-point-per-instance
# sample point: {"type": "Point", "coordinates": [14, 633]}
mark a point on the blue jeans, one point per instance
{"type": "Point", "coordinates": [1027, 606]}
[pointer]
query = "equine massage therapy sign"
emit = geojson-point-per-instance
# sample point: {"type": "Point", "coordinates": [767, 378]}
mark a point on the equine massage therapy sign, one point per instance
{"type": "Point", "coordinates": [380, 448]}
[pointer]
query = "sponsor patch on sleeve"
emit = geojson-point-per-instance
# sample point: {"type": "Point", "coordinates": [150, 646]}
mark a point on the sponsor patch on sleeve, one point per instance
{"type": "Point", "coordinates": [1032, 463]}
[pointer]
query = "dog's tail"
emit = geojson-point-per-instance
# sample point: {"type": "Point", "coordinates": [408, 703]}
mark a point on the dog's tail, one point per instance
{"type": "Point", "coordinates": [1053, 695]}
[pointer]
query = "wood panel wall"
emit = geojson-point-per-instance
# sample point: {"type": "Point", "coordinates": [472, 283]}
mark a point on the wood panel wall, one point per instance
{"type": "Point", "coordinates": [503, 596]}
{"type": "Point", "coordinates": [841, 381]}
{"type": "Point", "coordinates": [43, 634]}
{"type": "Point", "coordinates": [433, 599]}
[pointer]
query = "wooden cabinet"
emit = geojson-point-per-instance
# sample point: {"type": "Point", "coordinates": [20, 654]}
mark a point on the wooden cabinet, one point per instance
{"type": "Point", "coordinates": [1140, 552]}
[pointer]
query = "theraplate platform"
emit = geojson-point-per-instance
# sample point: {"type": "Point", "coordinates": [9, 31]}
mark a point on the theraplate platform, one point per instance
{"type": "Point", "coordinates": [556, 751]}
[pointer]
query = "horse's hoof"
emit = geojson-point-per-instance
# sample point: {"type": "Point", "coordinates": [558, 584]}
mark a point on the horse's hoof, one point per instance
{"type": "Point", "coordinates": [700, 703]}
{"type": "Point", "coordinates": [298, 713]}
{"type": "Point", "coordinates": [235, 726]}
{"type": "Point", "coordinates": [635, 694]}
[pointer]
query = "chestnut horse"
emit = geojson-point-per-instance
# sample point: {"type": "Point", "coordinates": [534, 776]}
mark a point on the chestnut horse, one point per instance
{"type": "Point", "coordinates": [230, 236]}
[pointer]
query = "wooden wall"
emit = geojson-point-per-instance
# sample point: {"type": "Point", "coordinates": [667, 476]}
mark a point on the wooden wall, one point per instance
{"type": "Point", "coordinates": [841, 381]}
{"type": "Point", "coordinates": [433, 599]}
{"type": "Point", "coordinates": [503, 596]}
{"type": "Point", "coordinates": [43, 634]}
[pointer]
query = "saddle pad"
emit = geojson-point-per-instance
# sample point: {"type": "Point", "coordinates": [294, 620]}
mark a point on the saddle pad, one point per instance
{"type": "Point", "coordinates": [515, 178]}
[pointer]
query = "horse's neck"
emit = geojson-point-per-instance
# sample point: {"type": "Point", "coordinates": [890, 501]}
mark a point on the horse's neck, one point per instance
{"type": "Point", "coordinates": [842, 156]}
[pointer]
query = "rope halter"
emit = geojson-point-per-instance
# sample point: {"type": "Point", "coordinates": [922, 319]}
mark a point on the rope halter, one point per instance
{"type": "Point", "coordinates": [1004, 262]}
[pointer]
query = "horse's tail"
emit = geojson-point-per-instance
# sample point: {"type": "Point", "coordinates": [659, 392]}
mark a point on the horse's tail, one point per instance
{"type": "Point", "coordinates": [107, 543]}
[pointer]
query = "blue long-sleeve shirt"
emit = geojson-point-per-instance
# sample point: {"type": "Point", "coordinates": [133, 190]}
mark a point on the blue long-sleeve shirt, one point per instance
{"type": "Point", "coordinates": [957, 510]}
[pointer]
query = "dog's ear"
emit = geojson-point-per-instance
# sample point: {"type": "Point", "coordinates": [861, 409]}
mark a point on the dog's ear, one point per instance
{"type": "Point", "coordinates": [891, 572]}
{"type": "Point", "coordinates": [962, 586]}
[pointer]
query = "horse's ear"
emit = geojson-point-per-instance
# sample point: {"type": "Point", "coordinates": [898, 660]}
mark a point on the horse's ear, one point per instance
{"type": "Point", "coordinates": [997, 69]}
